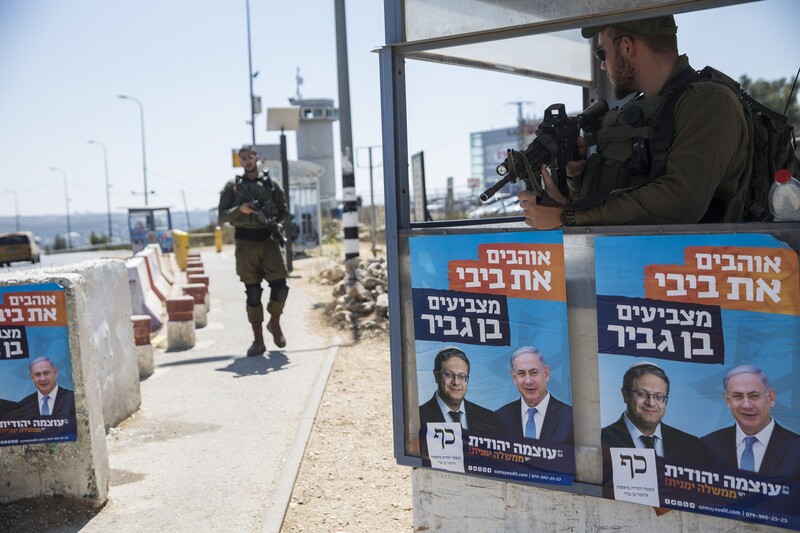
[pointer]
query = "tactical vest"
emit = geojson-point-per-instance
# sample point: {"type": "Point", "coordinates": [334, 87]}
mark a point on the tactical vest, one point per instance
{"type": "Point", "coordinates": [629, 151]}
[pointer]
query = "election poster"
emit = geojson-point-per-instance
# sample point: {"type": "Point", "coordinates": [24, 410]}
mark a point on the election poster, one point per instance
{"type": "Point", "coordinates": [37, 403]}
{"type": "Point", "coordinates": [492, 355]}
{"type": "Point", "coordinates": [699, 377]}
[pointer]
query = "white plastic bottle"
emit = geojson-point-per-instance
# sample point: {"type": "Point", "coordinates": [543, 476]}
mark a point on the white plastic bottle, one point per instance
{"type": "Point", "coordinates": [784, 197]}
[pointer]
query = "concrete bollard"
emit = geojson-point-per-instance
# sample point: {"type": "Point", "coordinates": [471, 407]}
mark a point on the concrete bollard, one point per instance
{"type": "Point", "coordinates": [218, 239]}
{"type": "Point", "coordinates": [195, 271]}
{"type": "Point", "coordinates": [198, 292]}
{"type": "Point", "coordinates": [144, 349]}
{"type": "Point", "coordinates": [197, 278]}
{"type": "Point", "coordinates": [180, 323]}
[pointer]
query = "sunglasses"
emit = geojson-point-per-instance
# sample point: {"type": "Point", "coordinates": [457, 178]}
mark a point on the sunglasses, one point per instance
{"type": "Point", "coordinates": [600, 54]}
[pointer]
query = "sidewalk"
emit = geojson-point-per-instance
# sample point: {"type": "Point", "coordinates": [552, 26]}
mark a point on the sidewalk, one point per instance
{"type": "Point", "coordinates": [215, 430]}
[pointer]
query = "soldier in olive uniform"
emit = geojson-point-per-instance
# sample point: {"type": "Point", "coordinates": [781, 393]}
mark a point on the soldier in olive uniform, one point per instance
{"type": "Point", "coordinates": [254, 203]}
{"type": "Point", "coordinates": [705, 156]}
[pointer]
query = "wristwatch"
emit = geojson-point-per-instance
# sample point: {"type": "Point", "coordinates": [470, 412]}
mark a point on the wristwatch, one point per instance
{"type": "Point", "coordinates": [568, 218]}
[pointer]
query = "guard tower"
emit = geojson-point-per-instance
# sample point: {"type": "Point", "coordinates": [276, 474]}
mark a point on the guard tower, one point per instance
{"type": "Point", "coordinates": [315, 143]}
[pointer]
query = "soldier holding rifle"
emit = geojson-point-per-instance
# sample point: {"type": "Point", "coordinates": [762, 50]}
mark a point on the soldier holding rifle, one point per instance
{"type": "Point", "coordinates": [255, 205]}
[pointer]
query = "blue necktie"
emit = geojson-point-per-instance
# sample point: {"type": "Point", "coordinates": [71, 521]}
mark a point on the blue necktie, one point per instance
{"type": "Point", "coordinates": [530, 425]}
{"type": "Point", "coordinates": [748, 459]}
{"type": "Point", "coordinates": [45, 407]}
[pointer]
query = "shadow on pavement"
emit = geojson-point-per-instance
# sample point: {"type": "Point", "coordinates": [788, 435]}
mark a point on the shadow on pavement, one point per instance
{"type": "Point", "coordinates": [256, 366]}
{"type": "Point", "coordinates": [198, 360]}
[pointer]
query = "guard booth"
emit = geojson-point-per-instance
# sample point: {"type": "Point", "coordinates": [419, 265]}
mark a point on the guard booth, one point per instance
{"type": "Point", "coordinates": [150, 225]}
{"type": "Point", "coordinates": [695, 301]}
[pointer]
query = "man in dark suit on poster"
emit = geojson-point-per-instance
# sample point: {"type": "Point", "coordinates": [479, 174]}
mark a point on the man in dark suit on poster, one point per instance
{"type": "Point", "coordinates": [645, 391]}
{"type": "Point", "coordinates": [755, 443]}
{"type": "Point", "coordinates": [451, 372]}
{"type": "Point", "coordinates": [49, 399]}
{"type": "Point", "coordinates": [7, 407]}
{"type": "Point", "coordinates": [537, 414]}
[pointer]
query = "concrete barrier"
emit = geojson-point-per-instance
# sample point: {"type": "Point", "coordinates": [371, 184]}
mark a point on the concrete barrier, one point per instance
{"type": "Point", "coordinates": [104, 379]}
{"type": "Point", "coordinates": [144, 349]}
{"type": "Point", "coordinates": [143, 300]}
{"type": "Point", "coordinates": [111, 336]}
{"type": "Point", "coordinates": [164, 264]}
{"type": "Point", "coordinates": [180, 240]}
{"type": "Point", "coordinates": [157, 283]}
{"type": "Point", "coordinates": [180, 323]}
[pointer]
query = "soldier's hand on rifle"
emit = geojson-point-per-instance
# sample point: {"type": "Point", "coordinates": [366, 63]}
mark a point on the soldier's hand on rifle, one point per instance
{"type": "Point", "coordinates": [247, 209]}
{"type": "Point", "coordinates": [575, 168]}
{"type": "Point", "coordinates": [539, 216]}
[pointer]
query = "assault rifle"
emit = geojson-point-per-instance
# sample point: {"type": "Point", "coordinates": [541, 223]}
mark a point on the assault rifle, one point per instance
{"type": "Point", "coordinates": [556, 143]}
{"type": "Point", "coordinates": [273, 228]}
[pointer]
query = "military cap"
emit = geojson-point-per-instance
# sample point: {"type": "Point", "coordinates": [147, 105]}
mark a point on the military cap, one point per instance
{"type": "Point", "coordinates": [653, 26]}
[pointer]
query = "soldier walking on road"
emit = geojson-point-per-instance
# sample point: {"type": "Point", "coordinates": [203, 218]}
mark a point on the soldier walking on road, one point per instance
{"type": "Point", "coordinates": [255, 206]}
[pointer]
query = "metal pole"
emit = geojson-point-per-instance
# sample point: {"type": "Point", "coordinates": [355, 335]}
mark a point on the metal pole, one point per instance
{"type": "Point", "coordinates": [66, 201]}
{"type": "Point", "coordinates": [285, 179]}
{"type": "Point", "coordinates": [16, 206]}
{"type": "Point", "coordinates": [371, 193]}
{"type": "Point", "coordinates": [144, 155]}
{"type": "Point", "coordinates": [108, 187]}
{"type": "Point", "coordinates": [250, 71]}
{"type": "Point", "coordinates": [350, 216]}
{"type": "Point", "coordinates": [372, 203]}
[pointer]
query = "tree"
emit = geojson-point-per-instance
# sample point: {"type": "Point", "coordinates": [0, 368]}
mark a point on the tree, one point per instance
{"type": "Point", "coordinates": [775, 95]}
{"type": "Point", "coordinates": [97, 239]}
{"type": "Point", "coordinates": [59, 243]}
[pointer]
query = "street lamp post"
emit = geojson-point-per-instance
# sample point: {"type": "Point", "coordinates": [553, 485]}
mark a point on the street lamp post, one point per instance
{"type": "Point", "coordinates": [66, 201]}
{"type": "Point", "coordinates": [250, 68]}
{"type": "Point", "coordinates": [144, 156]}
{"type": "Point", "coordinates": [108, 187]}
{"type": "Point", "coordinates": [16, 206]}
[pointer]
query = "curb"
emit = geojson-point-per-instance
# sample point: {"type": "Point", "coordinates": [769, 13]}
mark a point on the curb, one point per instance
{"type": "Point", "coordinates": [282, 494]}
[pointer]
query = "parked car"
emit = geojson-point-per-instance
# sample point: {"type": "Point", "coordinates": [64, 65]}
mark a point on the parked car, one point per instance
{"type": "Point", "coordinates": [504, 206]}
{"type": "Point", "coordinates": [19, 246]}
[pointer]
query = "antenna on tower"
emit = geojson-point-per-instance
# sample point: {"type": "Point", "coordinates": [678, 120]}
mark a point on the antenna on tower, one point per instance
{"type": "Point", "coordinates": [299, 80]}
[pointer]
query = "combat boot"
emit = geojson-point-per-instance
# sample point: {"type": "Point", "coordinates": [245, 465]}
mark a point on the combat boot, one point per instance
{"type": "Point", "coordinates": [257, 348]}
{"type": "Point", "coordinates": [274, 327]}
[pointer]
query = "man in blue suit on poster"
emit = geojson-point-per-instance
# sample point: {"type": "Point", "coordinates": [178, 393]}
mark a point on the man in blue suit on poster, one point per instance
{"type": "Point", "coordinates": [755, 443]}
{"type": "Point", "coordinates": [451, 372]}
{"type": "Point", "coordinates": [537, 414]}
{"type": "Point", "coordinates": [49, 399]}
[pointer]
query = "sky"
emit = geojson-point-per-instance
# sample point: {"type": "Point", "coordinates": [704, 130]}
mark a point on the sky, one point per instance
{"type": "Point", "coordinates": [63, 63]}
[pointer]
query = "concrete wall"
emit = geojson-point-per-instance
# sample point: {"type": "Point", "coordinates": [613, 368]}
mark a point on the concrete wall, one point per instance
{"type": "Point", "coordinates": [105, 378]}
{"type": "Point", "coordinates": [457, 503]}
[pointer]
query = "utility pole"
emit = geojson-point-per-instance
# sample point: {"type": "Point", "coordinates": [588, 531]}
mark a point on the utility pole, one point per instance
{"type": "Point", "coordinates": [350, 215]}
{"type": "Point", "coordinates": [520, 122]}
